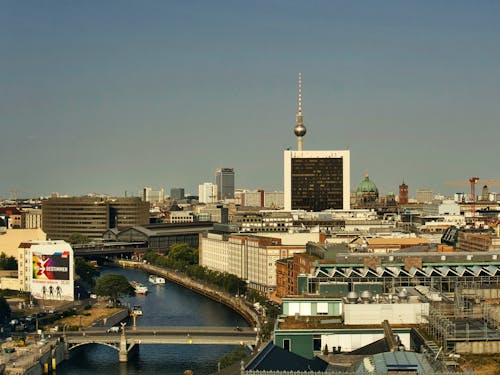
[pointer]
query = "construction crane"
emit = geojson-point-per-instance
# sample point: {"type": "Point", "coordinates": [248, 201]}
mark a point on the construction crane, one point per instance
{"type": "Point", "coordinates": [15, 194]}
{"type": "Point", "coordinates": [472, 182]}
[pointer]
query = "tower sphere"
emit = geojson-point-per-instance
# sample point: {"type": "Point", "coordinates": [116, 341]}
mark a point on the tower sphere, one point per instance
{"type": "Point", "coordinates": [299, 130]}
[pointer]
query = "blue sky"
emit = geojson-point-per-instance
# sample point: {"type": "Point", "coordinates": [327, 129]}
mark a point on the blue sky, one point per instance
{"type": "Point", "coordinates": [109, 96]}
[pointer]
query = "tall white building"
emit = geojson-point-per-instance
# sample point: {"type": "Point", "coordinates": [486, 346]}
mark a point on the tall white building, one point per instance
{"type": "Point", "coordinates": [315, 180]}
{"type": "Point", "coordinates": [207, 193]}
{"type": "Point", "coordinates": [153, 196]}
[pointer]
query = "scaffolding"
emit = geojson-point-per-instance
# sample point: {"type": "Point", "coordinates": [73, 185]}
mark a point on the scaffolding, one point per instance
{"type": "Point", "coordinates": [470, 318]}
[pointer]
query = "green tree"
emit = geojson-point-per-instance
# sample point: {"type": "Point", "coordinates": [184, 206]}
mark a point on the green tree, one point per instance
{"type": "Point", "coordinates": [113, 286]}
{"type": "Point", "coordinates": [4, 310]}
{"type": "Point", "coordinates": [182, 253]}
{"type": "Point", "coordinates": [77, 238]}
{"type": "Point", "coordinates": [7, 263]}
{"type": "Point", "coordinates": [86, 271]}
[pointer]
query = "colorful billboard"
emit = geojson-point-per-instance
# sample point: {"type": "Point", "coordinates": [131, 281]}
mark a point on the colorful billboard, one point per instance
{"type": "Point", "coordinates": [51, 266]}
{"type": "Point", "coordinates": [52, 271]}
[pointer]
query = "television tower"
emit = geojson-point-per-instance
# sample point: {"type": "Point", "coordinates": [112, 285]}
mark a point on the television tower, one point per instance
{"type": "Point", "coordinates": [299, 129]}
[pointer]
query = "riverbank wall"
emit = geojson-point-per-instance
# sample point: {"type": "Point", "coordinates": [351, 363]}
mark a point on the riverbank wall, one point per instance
{"type": "Point", "coordinates": [113, 319]}
{"type": "Point", "coordinates": [36, 359]}
{"type": "Point", "coordinates": [238, 304]}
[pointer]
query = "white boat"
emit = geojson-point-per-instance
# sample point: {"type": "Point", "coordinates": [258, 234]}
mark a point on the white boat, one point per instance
{"type": "Point", "coordinates": [156, 279]}
{"type": "Point", "coordinates": [137, 310]}
{"type": "Point", "coordinates": [139, 288]}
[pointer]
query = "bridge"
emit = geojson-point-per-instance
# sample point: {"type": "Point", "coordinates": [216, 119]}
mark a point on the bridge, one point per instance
{"type": "Point", "coordinates": [128, 340]}
{"type": "Point", "coordinates": [109, 248]}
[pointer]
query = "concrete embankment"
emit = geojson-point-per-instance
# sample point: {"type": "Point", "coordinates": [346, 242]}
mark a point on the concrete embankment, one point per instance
{"type": "Point", "coordinates": [237, 304]}
{"type": "Point", "coordinates": [35, 359]}
{"type": "Point", "coordinates": [113, 319]}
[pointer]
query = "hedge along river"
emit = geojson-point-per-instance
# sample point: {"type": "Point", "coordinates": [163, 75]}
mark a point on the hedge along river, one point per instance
{"type": "Point", "coordinates": [164, 305]}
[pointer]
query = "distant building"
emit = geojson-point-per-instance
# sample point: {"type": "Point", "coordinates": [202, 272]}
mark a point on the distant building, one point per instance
{"type": "Point", "coordinates": [180, 217]}
{"type": "Point", "coordinates": [253, 198]}
{"type": "Point", "coordinates": [367, 192]}
{"type": "Point", "coordinates": [207, 193]}
{"type": "Point", "coordinates": [177, 194]}
{"type": "Point", "coordinates": [160, 236]}
{"type": "Point", "coordinates": [16, 217]}
{"type": "Point", "coordinates": [403, 193]}
{"type": "Point", "coordinates": [317, 180]}
{"type": "Point", "coordinates": [91, 216]}
{"type": "Point", "coordinates": [33, 218]}
{"type": "Point", "coordinates": [424, 196]}
{"type": "Point", "coordinates": [471, 241]}
{"type": "Point", "coordinates": [224, 179]}
{"type": "Point", "coordinates": [263, 221]}
{"type": "Point", "coordinates": [153, 196]}
{"type": "Point", "coordinates": [274, 199]}
{"type": "Point", "coordinates": [213, 213]}
{"type": "Point", "coordinates": [385, 245]}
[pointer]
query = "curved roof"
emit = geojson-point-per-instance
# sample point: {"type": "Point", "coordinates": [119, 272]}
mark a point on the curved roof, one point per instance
{"type": "Point", "coordinates": [366, 186]}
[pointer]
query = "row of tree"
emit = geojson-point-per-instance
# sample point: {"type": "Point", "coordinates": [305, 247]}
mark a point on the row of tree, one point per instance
{"type": "Point", "coordinates": [183, 258]}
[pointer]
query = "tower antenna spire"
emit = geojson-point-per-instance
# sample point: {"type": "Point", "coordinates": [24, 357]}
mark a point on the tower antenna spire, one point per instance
{"type": "Point", "coordinates": [299, 106]}
{"type": "Point", "coordinates": [299, 129]}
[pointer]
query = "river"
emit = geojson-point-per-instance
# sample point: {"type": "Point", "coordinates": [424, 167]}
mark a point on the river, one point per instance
{"type": "Point", "coordinates": [165, 305]}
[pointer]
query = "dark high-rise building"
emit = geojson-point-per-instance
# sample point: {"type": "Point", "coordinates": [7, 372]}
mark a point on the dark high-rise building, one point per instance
{"type": "Point", "coordinates": [91, 216]}
{"type": "Point", "coordinates": [403, 193]}
{"type": "Point", "coordinates": [317, 180]}
{"type": "Point", "coordinates": [224, 179]}
{"type": "Point", "coordinates": [177, 194]}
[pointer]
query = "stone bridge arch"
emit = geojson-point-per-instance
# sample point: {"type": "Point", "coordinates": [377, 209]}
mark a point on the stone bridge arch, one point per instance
{"type": "Point", "coordinates": [115, 345]}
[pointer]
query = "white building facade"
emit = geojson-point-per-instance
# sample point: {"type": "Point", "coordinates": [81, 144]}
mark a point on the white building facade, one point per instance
{"type": "Point", "coordinates": [252, 258]}
{"type": "Point", "coordinates": [207, 193]}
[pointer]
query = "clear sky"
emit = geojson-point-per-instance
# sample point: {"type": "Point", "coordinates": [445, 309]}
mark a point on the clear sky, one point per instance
{"type": "Point", "coordinates": [108, 96]}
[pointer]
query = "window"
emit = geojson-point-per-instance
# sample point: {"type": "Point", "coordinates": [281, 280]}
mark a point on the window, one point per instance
{"type": "Point", "coordinates": [316, 343]}
{"type": "Point", "coordinates": [286, 344]}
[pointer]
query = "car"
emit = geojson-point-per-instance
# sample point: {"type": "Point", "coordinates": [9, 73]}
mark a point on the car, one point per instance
{"type": "Point", "coordinates": [113, 329]}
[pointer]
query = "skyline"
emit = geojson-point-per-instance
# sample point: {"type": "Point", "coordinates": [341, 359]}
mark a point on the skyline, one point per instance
{"type": "Point", "coordinates": [115, 96]}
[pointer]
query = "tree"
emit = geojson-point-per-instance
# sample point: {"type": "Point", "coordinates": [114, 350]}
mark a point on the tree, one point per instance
{"type": "Point", "coordinates": [4, 310]}
{"type": "Point", "coordinates": [7, 263]}
{"type": "Point", "coordinates": [182, 253]}
{"type": "Point", "coordinates": [113, 286]}
{"type": "Point", "coordinates": [86, 271]}
{"type": "Point", "coordinates": [77, 238]}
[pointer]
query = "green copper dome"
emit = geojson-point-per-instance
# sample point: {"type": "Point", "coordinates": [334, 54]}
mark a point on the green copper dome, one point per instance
{"type": "Point", "coordinates": [366, 186]}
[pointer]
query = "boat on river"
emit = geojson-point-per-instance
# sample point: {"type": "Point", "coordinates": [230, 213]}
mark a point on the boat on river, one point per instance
{"type": "Point", "coordinates": [137, 310]}
{"type": "Point", "coordinates": [139, 288]}
{"type": "Point", "coordinates": [156, 280]}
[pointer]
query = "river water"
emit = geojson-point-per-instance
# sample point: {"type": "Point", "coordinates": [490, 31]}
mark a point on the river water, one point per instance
{"type": "Point", "coordinates": [165, 305]}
